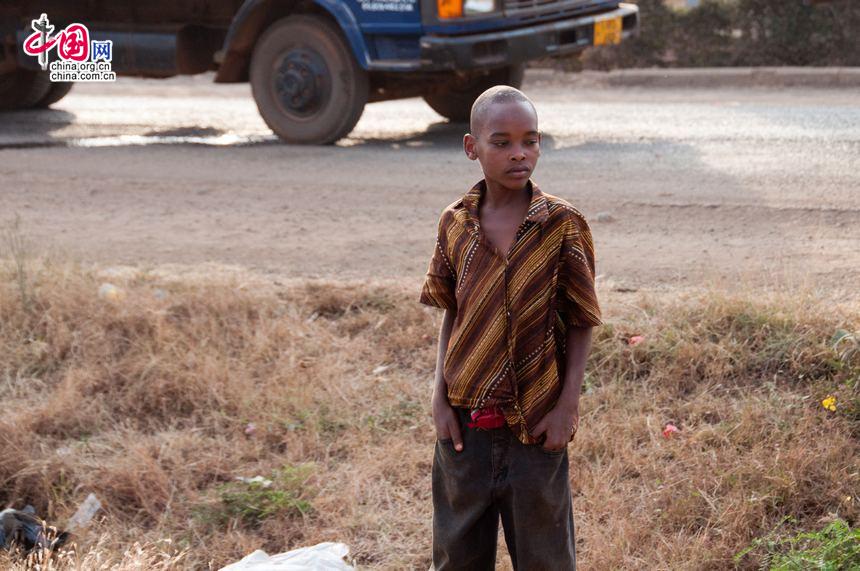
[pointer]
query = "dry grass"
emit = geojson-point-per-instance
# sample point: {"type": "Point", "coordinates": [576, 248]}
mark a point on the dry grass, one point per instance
{"type": "Point", "coordinates": [146, 401]}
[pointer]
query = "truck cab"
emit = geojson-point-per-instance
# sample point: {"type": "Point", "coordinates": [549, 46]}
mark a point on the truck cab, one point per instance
{"type": "Point", "coordinates": [313, 65]}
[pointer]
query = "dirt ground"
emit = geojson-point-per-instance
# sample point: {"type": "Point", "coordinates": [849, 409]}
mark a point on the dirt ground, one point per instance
{"type": "Point", "coordinates": [728, 186]}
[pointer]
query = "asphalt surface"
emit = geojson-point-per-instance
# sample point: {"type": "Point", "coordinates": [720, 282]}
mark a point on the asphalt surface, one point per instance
{"type": "Point", "coordinates": [727, 185]}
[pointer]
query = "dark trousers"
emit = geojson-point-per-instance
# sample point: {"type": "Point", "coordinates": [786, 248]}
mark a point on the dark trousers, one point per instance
{"type": "Point", "coordinates": [497, 475]}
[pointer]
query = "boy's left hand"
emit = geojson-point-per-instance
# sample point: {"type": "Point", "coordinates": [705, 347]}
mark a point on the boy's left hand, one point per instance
{"type": "Point", "coordinates": [559, 424]}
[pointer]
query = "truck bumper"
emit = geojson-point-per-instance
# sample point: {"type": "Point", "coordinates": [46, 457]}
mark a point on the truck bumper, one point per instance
{"type": "Point", "coordinates": [521, 44]}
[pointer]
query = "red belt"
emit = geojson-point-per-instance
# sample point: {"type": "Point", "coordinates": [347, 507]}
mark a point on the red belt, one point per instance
{"type": "Point", "coordinates": [487, 417]}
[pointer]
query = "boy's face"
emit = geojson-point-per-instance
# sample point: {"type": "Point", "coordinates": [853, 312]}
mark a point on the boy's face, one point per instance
{"type": "Point", "coordinates": [507, 144]}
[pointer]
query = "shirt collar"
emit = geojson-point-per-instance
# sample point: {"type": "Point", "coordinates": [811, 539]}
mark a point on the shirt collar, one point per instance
{"type": "Point", "coordinates": [537, 212]}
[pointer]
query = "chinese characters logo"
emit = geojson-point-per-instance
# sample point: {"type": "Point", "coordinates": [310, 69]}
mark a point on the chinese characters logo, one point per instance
{"type": "Point", "coordinates": [80, 58]}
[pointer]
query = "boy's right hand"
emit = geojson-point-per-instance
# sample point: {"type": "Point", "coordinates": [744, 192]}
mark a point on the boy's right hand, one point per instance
{"type": "Point", "coordinates": [447, 422]}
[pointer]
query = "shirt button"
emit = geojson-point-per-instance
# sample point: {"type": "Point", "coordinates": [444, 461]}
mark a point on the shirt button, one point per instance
{"type": "Point", "coordinates": [509, 313]}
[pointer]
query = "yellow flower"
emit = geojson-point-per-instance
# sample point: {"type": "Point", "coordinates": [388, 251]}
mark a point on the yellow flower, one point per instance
{"type": "Point", "coordinates": [829, 403]}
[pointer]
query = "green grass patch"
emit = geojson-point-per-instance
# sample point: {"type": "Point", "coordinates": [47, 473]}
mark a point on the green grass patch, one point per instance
{"type": "Point", "coordinates": [254, 500]}
{"type": "Point", "coordinates": [836, 547]}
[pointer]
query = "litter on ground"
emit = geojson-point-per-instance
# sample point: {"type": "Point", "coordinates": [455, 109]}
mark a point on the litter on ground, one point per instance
{"type": "Point", "coordinates": [326, 556]}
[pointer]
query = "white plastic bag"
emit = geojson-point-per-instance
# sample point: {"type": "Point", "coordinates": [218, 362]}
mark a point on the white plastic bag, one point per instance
{"type": "Point", "coordinates": [326, 556]}
{"type": "Point", "coordinates": [85, 512]}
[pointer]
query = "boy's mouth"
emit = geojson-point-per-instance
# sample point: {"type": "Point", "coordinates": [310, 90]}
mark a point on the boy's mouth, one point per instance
{"type": "Point", "coordinates": [519, 170]}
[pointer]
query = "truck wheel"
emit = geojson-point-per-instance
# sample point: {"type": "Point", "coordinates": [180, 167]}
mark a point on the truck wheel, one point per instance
{"type": "Point", "coordinates": [306, 82]}
{"type": "Point", "coordinates": [454, 101]}
{"type": "Point", "coordinates": [57, 91]}
{"type": "Point", "coordinates": [22, 89]}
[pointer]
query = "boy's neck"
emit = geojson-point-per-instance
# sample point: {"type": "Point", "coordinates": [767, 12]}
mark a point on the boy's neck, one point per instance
{"type": "Point", "coordinates": [497, 196]}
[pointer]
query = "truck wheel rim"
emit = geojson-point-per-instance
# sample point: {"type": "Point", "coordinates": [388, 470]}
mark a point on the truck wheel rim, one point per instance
{"type": "Point", "coordinates": [301, 82]}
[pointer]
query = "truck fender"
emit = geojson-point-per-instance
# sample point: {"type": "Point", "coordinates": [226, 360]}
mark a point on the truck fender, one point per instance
{"type": "Point", "coordinates": [252, 19]}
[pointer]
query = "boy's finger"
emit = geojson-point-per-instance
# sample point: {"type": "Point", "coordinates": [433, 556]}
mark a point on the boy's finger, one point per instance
{"type": "Point", "coordinates": [550, 443]}
{"type": "Point", "coordinates": [455, 436]}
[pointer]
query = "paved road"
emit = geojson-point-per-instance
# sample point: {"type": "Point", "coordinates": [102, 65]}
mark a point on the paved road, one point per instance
{"type": "Point", "coordinates": [754, 185]}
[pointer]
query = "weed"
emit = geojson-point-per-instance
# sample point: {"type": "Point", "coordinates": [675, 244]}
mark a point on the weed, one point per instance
{"type": "Point", "coordinates": [19, 249]}
{"type": "Point", "coordinates": [254, 500]}
{"type": "Point", "coordinates": [836, 547]}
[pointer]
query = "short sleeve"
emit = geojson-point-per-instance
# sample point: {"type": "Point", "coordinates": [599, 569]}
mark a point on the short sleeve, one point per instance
{"type": "Point", "coordinates": [577, 299]}
{"type": "Point", "coordinates": [440, 280]}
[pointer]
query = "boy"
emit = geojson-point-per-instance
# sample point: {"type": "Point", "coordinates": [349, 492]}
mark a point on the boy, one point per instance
{"type": "Point", "coordinates": [513, 268]}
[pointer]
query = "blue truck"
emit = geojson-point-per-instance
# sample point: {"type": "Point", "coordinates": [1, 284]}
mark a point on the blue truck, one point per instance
{"type": "Point", "coordinates": [313, 65]}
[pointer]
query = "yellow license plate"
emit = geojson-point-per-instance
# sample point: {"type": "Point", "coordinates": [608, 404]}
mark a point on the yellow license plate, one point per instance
{"type": "Point", "coordinates": [607, 31]}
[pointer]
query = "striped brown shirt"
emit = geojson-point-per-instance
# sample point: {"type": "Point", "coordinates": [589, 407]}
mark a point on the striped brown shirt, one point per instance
{"type": "Point", "coordinates": [507, 342]}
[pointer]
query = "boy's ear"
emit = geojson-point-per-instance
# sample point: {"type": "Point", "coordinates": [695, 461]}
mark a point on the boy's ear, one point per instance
{"type": "Point", "coordinates": [469, 146]}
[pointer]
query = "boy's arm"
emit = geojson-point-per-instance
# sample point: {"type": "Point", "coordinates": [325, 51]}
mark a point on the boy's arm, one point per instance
{"type": "Point", "coordinates": [580, 311]}
{"type": "Point", "coordinates": [577, 347]}
{"type": "Point", "coordinates": [444, 418]}
{"type": "Point", "coordinates": [562, 421]}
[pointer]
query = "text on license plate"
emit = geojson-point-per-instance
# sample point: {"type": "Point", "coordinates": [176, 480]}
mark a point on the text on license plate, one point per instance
{"type": "Point", "coordinates": [607, 31]}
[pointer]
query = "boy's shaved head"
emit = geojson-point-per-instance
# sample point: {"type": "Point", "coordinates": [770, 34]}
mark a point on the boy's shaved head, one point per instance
{"type": "Point", "coordinates": [504, 137]}
{"type": "Point", "coordinates": [490, 97]}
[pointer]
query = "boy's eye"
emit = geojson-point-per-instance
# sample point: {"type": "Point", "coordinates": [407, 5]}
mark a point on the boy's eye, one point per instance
{"type": "Point", "coordinates": [500, 143]}
{"type": "Point", "coordinates": [531, 142]}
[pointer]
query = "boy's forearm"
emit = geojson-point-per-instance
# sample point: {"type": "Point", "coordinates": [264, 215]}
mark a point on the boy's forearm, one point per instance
{"type": "Point", "coordinates": [439, 387]}
{"type": "Point", "coordinates": [578, 345]}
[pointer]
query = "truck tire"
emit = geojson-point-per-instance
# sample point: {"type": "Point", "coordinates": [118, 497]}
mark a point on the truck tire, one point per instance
{"type": "Point", "coordinates": [57, 91]}
{"type": "Point", "coordinates": [22, 89]}
{"type": "Point", "coordinates": [308, 86]}
{"type": "Point", "coordinates": [454, 102]}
